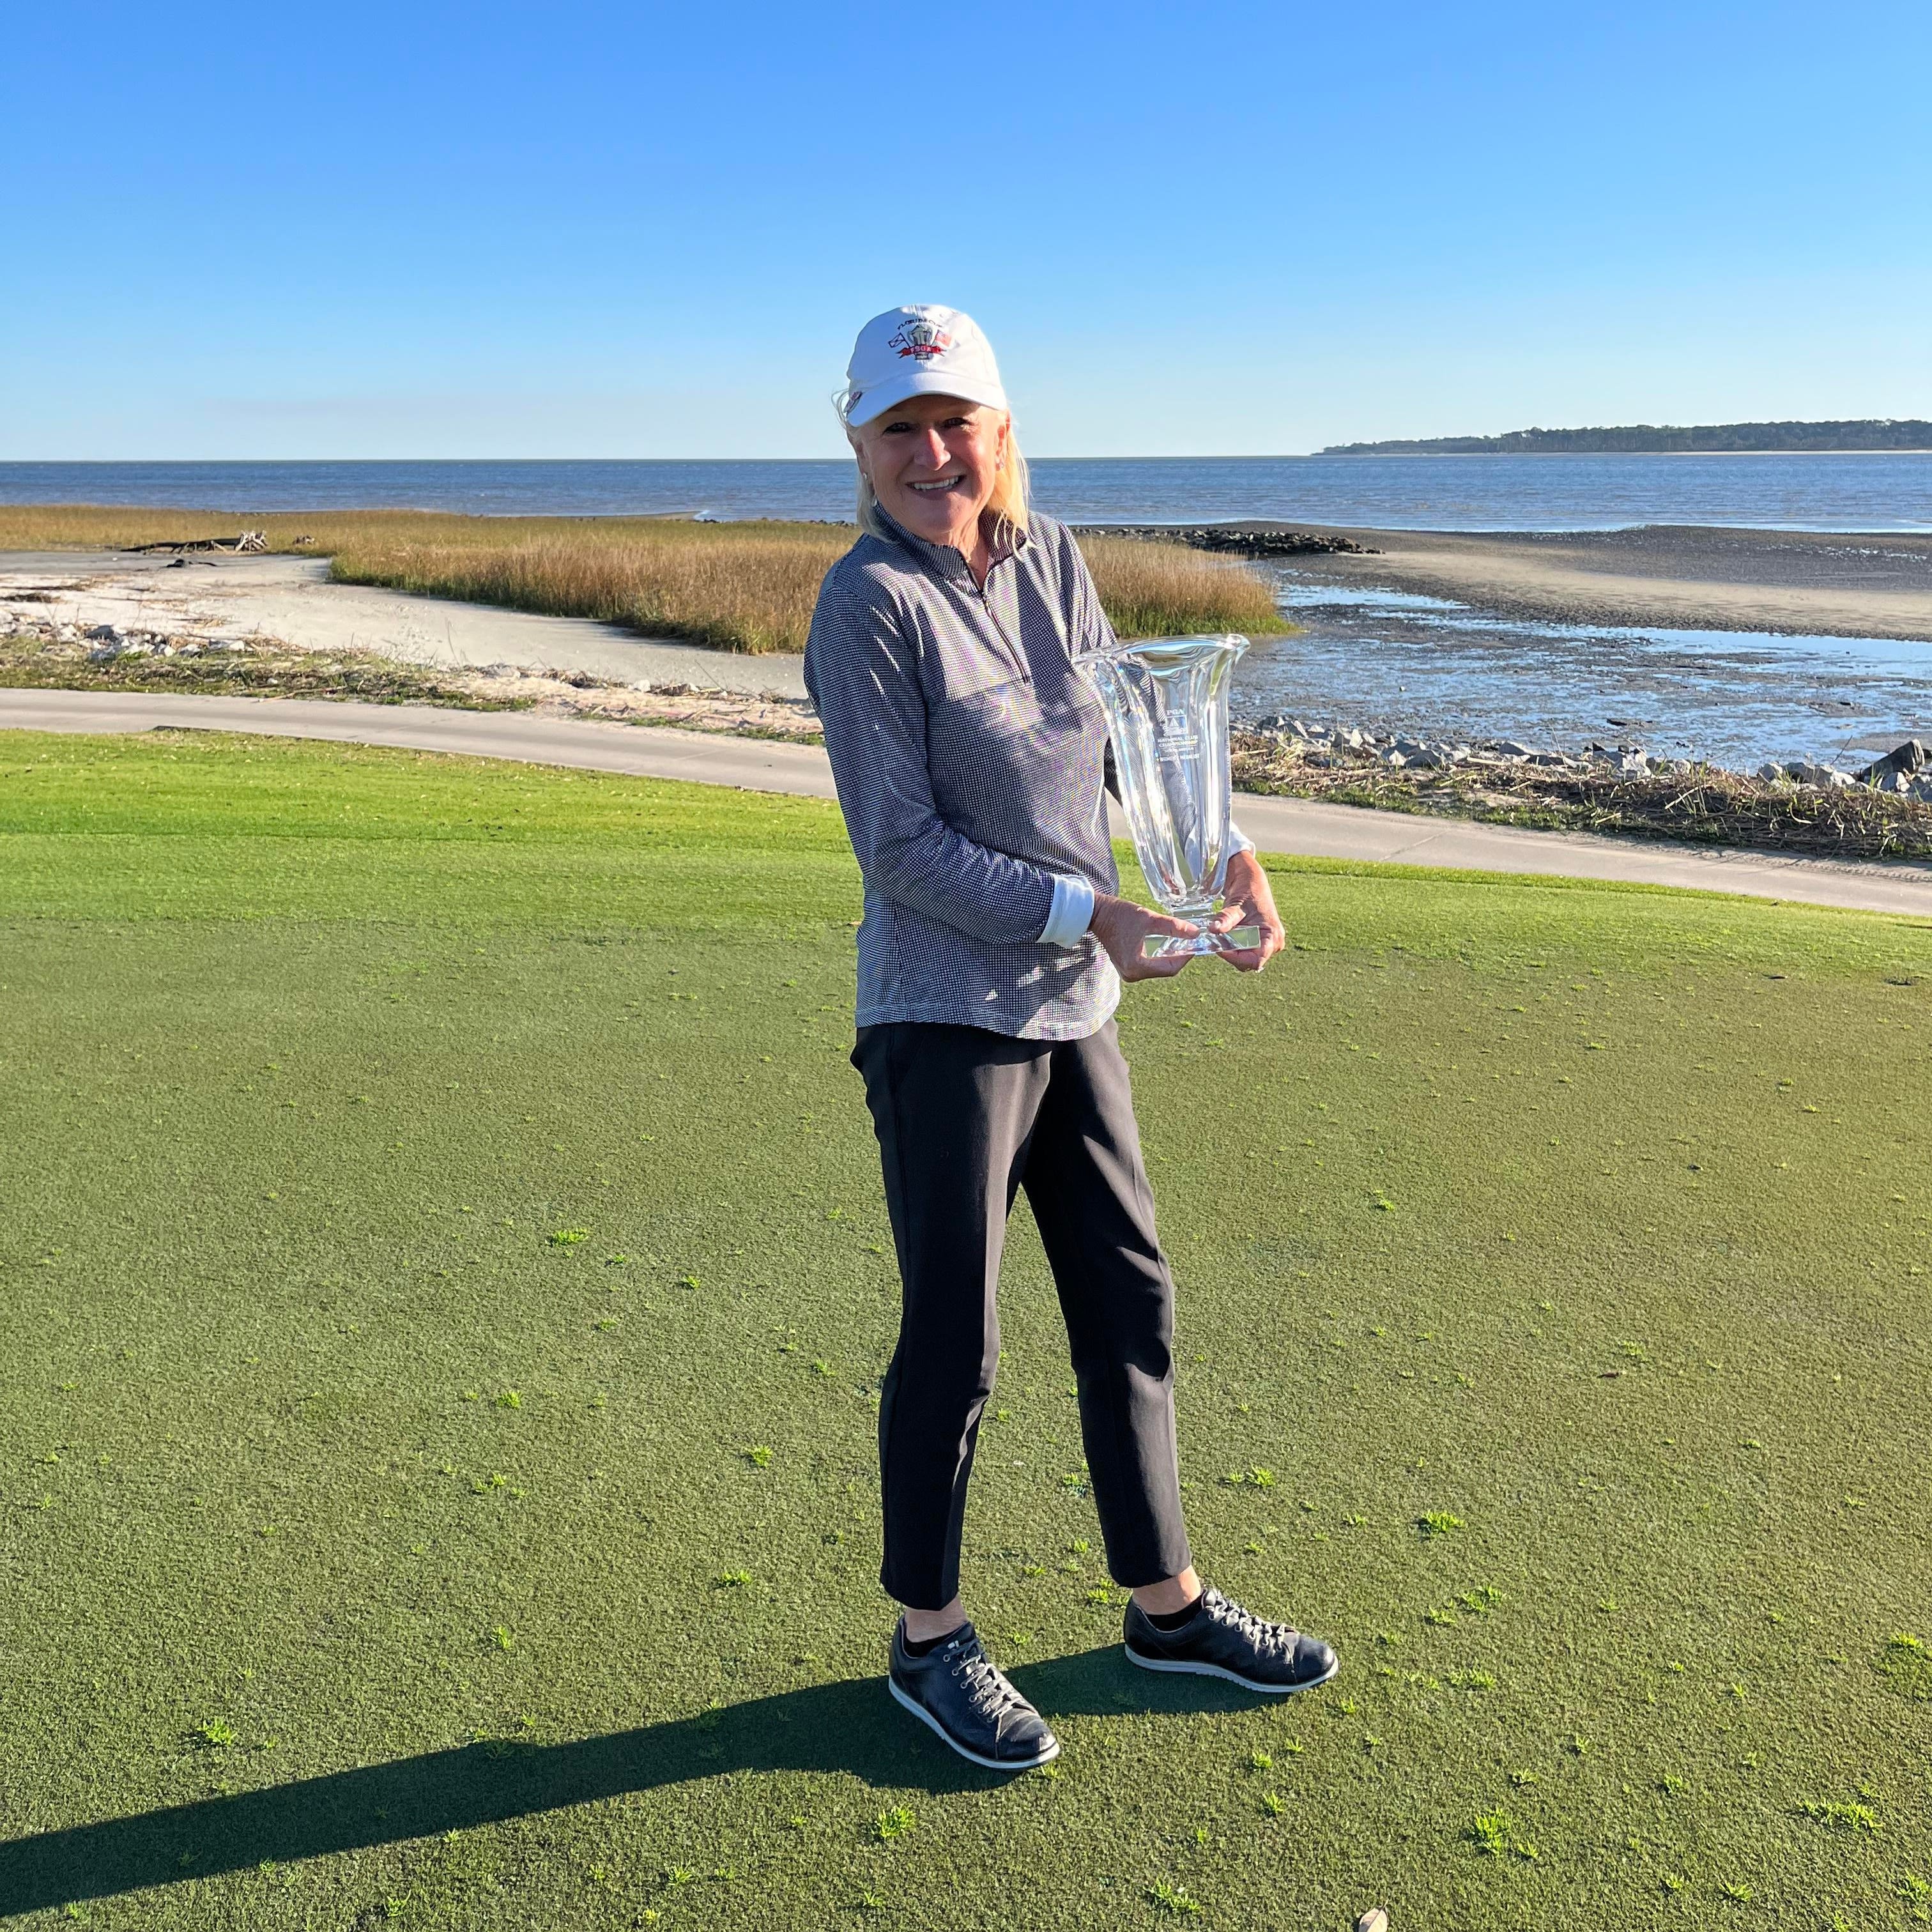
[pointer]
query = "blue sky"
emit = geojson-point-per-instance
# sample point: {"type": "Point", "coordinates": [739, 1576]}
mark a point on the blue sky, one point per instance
{"type": "Point", "coordinates": [430, 230]}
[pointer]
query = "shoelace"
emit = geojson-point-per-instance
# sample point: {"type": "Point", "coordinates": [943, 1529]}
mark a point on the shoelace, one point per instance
{"type": "Point", "coordinates": [1277, 1640]}
{"type": "Point", "coordinates": [990, 1692]}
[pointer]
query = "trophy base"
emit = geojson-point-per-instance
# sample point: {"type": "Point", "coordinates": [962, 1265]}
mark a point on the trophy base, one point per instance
{"type": "Point", "coordinates": [1187, 946]}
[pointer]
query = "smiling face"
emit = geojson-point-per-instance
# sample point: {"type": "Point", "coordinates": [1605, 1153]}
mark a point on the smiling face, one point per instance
{"type": "Point", "coordinates": [932, 461]}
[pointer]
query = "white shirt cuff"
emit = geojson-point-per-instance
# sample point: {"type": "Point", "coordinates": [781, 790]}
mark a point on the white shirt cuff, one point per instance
{"type": "Point", "coordinates": [1238, 840]}
{"type": "Point", "coordinates": [1071, 914]}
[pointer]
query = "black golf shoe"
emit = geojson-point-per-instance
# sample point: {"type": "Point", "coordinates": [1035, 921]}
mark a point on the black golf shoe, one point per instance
{"type": "Point", "coordinates": [958, 1689]}
{"type": "Point", "coordinates": [1222, 1639]}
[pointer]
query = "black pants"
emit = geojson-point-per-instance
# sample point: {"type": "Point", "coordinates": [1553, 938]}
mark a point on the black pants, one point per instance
{"type": "Point", "coordinates": [966, 1118]}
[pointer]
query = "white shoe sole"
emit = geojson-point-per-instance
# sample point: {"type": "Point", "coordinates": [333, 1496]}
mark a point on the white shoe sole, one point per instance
{"type": "Point", "coordinates": [926, 1717]}
{"type": "Point", "coordinates": [1181, 1668]}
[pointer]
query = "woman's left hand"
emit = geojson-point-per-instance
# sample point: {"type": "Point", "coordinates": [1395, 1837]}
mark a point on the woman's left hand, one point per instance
{"type": "Point", "coordinates": [1248, 900]}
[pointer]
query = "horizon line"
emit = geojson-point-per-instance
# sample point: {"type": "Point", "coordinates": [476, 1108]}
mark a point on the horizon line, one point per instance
{"type": "Point", "coordinates": [1334, 453]}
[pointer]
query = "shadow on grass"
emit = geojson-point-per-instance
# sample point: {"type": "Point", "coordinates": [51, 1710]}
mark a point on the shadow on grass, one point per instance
{"type": "Point", "coordinates": [851, 1728]}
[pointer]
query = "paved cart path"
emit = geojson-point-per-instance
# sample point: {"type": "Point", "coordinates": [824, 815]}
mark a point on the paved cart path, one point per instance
{"type": "Point", "coordinates": [1275, 824]}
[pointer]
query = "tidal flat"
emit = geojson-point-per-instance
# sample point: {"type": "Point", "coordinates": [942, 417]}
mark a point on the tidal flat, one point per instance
{"type": "Point", "coordinates": [1728, 645]}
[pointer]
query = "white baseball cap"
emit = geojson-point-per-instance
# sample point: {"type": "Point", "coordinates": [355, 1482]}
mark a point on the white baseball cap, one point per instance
{"type": "Point", "coordinates": [919, 350]}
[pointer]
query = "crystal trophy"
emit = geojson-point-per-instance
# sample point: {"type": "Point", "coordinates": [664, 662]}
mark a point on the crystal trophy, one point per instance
{"type": "Point", "coordinates": [1166, 700]}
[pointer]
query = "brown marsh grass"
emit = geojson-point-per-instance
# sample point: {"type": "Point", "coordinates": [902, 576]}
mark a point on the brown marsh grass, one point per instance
{"type": "Point", "coordinates": [747, 587]}
{"type": "Point", "coordinates": [1155, 589]}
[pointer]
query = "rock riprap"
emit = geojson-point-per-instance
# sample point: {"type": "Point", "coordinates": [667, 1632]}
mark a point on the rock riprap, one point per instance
{"type": "Point", "coordinates": [1238, 539]}
{"type": "Point", "coordinates": [1905, 772]}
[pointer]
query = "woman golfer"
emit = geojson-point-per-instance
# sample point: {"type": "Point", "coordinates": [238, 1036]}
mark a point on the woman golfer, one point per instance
{"type": "Point", "coordinates": [969, 761]}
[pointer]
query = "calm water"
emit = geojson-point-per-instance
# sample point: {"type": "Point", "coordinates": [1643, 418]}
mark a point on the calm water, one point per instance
{"type": "Point", "coordinates": [1447, 492]}
{"type": "Point", "coordinates": [1393, 661]}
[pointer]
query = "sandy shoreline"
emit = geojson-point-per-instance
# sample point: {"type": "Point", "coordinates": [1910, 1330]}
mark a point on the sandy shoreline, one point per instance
{"type": "Point", "coordinates": [292, 600]}
{"type": "Point", "coordinates": [1792, 583]}
{"type": "Point", "coordinates": [567, 665]}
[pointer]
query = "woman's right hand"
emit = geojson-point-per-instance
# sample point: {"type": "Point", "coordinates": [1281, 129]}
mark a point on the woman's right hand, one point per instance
{"type": "Point", "coordinates": [1120, 926]}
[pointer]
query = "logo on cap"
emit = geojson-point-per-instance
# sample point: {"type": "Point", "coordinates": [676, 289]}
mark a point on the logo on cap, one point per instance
{"type": "Point", "coordinates": [922, 340]}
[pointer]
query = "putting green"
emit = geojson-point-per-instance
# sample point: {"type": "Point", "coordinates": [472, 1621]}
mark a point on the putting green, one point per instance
{"type": "Point", "coordinates": [446, 1286]}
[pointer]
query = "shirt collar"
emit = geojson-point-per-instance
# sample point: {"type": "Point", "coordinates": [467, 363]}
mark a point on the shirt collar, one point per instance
{"type": "Point", "coordinates": [945, 558]}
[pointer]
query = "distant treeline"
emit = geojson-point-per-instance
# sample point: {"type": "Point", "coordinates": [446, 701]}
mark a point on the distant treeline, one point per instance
{"type": "Point", "coordinates": [1639, 439]}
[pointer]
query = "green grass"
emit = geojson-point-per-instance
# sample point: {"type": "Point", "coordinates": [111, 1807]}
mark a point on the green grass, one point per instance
{"type": "Point", "coordinates": [447, 1285]}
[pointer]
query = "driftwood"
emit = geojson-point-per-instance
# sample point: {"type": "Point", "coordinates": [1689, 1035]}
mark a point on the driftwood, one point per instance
{"type": "Point", "coordinates": [247, 542]}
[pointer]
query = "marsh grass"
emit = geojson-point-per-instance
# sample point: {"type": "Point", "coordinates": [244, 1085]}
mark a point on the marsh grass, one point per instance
{"type": "Point", "coordinates": [1162, 590]}
{"type": "Point", "coordinates": [742, 586]}
{"type": "Point", "coordinates": [748, 587]}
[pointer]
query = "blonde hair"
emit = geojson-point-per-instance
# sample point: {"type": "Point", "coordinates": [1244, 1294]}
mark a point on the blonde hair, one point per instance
{"type": "Point", "coordinates": [1011, 501]}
